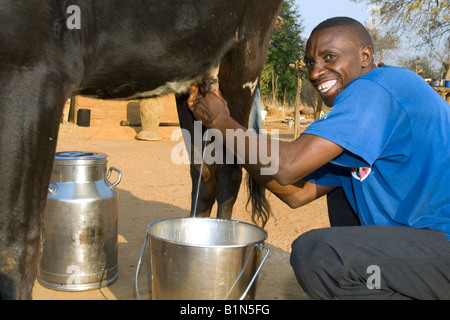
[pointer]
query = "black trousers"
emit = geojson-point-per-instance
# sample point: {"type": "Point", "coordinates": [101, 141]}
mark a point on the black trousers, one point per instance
{"type": "Point", "coordinates": [371, 262]}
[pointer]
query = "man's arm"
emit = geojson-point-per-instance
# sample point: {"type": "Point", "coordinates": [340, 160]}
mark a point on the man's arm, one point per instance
{"type": "Point", "coordinates": [298, 194]}
{"type": "Point", "coordinates": [294, 160]}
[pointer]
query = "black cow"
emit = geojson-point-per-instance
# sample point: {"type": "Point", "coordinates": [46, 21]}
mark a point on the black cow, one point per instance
{"type": "Point", "coordinates": [115, 49]}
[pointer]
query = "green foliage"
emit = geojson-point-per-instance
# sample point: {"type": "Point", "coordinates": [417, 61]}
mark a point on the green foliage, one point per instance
{"type": "Point", "coordinates": [286, 47]}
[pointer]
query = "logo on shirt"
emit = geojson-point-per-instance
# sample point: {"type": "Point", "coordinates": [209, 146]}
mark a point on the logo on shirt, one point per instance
{"type": "Point", "coordinates": [361, 173]}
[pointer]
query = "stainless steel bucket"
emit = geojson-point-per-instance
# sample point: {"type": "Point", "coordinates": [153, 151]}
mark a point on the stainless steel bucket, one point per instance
{"type": "Point", "coordinates": [204, 258]}
{"type": "Point", "coordinates": [81, 229]}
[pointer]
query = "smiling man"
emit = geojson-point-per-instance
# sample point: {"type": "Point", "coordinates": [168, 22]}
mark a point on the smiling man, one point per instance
{"type": "Point", "coordinates": [386, 144]}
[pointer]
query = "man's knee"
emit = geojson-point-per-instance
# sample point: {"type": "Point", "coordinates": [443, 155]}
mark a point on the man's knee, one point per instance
{"type": "Point", "coordinates": [312, 248]}
{"type": "Point", "coordinates": [304, 247]}
{"type": "Point", "coordinates": [311, 258]}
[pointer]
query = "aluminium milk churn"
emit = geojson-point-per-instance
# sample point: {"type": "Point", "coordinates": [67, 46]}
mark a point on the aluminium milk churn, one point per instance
{"type": "Point", "coordinates": [81, 228]}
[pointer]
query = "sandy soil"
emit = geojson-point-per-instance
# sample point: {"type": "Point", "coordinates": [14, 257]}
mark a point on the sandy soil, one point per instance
{"type": "Point", "coordinates": [154, 188]}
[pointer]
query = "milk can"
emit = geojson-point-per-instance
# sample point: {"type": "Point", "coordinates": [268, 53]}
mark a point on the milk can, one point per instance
{"type": "Point", "coordinates": [81, 229]}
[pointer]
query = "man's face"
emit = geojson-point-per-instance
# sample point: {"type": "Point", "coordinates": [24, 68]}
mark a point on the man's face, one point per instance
{"type": "Point", "coordinates": [333, 61]}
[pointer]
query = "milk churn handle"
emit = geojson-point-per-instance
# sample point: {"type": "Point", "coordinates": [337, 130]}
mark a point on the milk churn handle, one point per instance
{"type": "Point", "coordinates": [256, 272]}
{"type": "Point", "coordinates": [118, 179]}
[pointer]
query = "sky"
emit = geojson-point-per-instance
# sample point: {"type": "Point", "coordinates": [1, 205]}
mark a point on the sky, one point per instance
{"type": "Point", "coordinates": [314, 12]}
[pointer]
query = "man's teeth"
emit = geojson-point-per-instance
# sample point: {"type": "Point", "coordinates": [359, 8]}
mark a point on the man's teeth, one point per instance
{"type": "Point", "coordinates": [326, 86]}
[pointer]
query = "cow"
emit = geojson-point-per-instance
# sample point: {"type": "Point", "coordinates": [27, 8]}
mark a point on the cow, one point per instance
{"type": "Point", "coordinates": [115, 49]}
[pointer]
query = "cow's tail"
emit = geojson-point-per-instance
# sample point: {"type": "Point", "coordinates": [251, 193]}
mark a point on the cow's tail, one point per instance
{"type": "Point", "coordinates": [261, 210]}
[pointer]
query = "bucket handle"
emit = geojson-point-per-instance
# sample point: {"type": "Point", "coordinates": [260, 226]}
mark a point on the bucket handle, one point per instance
{"type": "Point", "coordinates": [256, 272]}
{"type": "Point", "coordinates": [119, 178]}
{"type": "Point", "coordinates": [139, 267]}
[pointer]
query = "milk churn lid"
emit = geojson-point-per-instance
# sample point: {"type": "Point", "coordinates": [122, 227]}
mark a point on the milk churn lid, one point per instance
{"type": "Point", "coordinates": [80, 158]}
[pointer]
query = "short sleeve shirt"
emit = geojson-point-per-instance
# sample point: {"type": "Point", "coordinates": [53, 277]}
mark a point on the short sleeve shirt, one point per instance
{"type": "Point", "coordinates": [395, 130]}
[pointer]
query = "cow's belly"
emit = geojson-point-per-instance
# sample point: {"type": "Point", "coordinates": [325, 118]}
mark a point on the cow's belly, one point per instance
{"type": "Point", "coordinates": [176, 87]}
{"type": "Point", "coordinates": [127, 92]}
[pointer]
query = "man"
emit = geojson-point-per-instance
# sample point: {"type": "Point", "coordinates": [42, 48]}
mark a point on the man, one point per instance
{"type": "Point", "coordinates": [386, 143]}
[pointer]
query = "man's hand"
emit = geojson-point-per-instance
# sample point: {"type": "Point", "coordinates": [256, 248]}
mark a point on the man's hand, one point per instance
{"type": "Point", "coordinates": [207, 107]}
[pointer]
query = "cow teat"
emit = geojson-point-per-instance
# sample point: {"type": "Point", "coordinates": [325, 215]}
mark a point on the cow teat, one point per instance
{"type": "Point", "coordinates": [209, 85]}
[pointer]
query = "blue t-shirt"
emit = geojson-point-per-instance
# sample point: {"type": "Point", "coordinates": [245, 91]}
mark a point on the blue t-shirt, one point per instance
{"type": "Point", "coordinates": [395, 169]}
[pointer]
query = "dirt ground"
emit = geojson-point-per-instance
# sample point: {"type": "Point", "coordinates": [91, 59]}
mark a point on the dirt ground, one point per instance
{"type": "Point", "coordinates": [154, 188]}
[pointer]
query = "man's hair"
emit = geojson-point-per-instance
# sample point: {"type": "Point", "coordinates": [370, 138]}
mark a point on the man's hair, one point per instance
{"type": "Point", "coordinates": [354, 29]}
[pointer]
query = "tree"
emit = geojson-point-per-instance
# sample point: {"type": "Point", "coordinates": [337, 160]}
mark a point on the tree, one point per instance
{"type": "Point", "coordinates": [419, 64]}
{"type": "Point", "coordinates": [383, 42]}
{"type": "Point", "coordinates": [425, 20]}
{"type": "Point", "coordinates": [286, 46]}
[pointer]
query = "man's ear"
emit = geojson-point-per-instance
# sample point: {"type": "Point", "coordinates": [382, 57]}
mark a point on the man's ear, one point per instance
{"type": "Point", "coordinates": [366, 57]}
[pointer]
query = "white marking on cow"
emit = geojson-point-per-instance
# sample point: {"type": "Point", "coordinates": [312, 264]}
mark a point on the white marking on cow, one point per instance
{"type": "Point", "coordinates": [178, 87]}
{"type": "Point", "coordinates": [251, 85]}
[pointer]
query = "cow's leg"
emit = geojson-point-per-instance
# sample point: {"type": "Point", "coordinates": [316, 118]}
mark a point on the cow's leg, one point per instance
{"type": "Point", "coordinates": [204, 188]}
{"type": "Point", "coordinates": [239, 81]}
{"type": "Point", "coordinates": [220, 181]}
{"type": "Point", "coordinates": [229, 178]}
{"type": "Point", "coordinates": [31, 103]}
